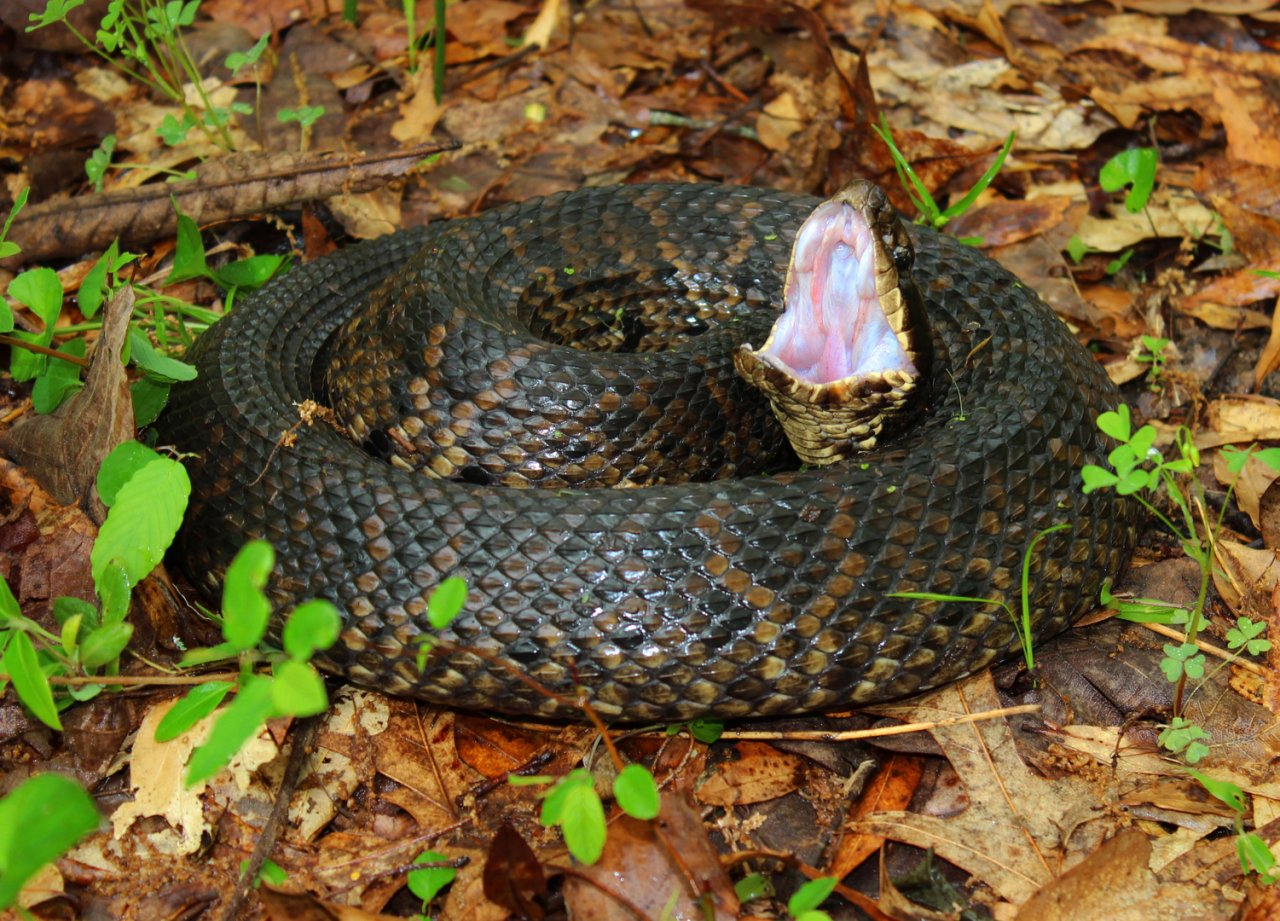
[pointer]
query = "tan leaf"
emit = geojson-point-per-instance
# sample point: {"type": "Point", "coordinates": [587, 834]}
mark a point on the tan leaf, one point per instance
{"type": "Point", "coordinates": [759, 773]}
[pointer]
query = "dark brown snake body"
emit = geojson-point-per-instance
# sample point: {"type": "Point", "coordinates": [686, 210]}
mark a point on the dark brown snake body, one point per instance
{"type": "Point", "coordinates": [764, 594]}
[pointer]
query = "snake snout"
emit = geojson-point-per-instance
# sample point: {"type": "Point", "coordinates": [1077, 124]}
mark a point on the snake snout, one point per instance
{"type": "Point", "coordinates": [846, 354]}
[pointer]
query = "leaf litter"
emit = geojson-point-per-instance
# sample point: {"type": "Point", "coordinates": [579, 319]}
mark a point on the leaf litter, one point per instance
{"type": "Point", "coordinates": [1049, 816]}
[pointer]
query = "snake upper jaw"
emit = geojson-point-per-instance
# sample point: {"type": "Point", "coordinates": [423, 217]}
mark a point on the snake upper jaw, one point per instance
{"type": "Point", "coordinates": [848, 351]}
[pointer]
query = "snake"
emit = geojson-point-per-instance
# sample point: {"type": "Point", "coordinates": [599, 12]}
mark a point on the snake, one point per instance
{"type": "Point", "coordinates": [628, 578]}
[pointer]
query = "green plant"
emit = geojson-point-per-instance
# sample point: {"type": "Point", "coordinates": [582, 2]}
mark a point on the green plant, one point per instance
{"type": "Point", "coordinates": [143, 40]}
{"type": "Point", "coordinates": [427, 883]}
{"type": "Point", "coordinates": [1156, 357]}
{"type": "Point", "coordinates": [305, 116]}
{"type": "Point", "coordinates": [1021, 622]}
{"type": "Point", "coordinates": [146, 495]}
{"type": "Point", "coordinates": [803, 904]}
{"type": "Point", "coordinates": [40, 820]}
{"type": "Point", "coordinates": [294, 687]}
{"type": "Point", "coordinates": [1136, 169]}
{"type": "Point", "coordinates": [930, 213]}
{"type": "Point", "coordinates": [573, 804]}
{"type": "Point", "coordinates": [1140, 471]}
{"type": "Point", "coordinates": [1254, 854]}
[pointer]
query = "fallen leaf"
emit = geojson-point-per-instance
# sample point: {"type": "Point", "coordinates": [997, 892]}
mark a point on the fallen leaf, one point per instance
{"type": "Point", "coordinates": [758, 773]}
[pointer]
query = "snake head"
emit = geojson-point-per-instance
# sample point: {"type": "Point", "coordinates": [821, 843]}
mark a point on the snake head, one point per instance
{"type": "Point", "coordinates": [846, 353]}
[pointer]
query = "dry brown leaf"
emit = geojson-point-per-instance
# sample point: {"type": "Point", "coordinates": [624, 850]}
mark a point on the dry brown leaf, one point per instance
{"type": "Point", "coordinates": [891, 790]}
{"type": "Point", "coordinates": [1250, 486]}
{"type": "Point", "coordinates": [664, 868]}
{"type": "Point", "coordinates": [759, 773]}
{"type": "Point", "coordinates": [419, 114]}
{"type": "Point", "coordinates": [1113, 882]}
{"type": "Point", "coordinates": [1011, 836]}
{"type": "Point", "coordinates": [65, 449]}
{"type": "Point", "coordinates": [1245, 577]}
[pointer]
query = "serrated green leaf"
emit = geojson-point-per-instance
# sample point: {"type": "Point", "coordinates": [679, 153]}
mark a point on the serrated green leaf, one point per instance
{"type": "Point", "coordinates": [235, 726]}
{"type": "Point", "coordinates": [298, 690]}
{"type": "Point", "coordinates": [245, 609]}
{"type": "Point", "coordinates": [143, 521]}
{"type": "Point", "coordinates": [126, 459]}
{"type": "Point", "coordinates": [22, 665]}
{"type": "Point", "coordinates": [426, 884]}
{"type": "Point", "coordinates": [40, 819]}
{"type": "Point", "coordinates": [312, 625]}
{"type": "Point", "coordinates": [637, 792]}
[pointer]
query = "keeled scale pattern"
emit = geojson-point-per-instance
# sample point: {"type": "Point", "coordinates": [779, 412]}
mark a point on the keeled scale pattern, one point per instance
{"type": "Point", "coordinates": [757, 596]}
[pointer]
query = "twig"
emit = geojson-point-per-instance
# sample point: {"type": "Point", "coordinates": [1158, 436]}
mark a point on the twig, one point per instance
{"type": "Point", "coordinates": [845, 736]}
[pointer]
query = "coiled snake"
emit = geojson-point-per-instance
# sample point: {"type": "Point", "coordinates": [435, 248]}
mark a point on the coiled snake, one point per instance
{"type": "Point", "coordinates": [767, 592]}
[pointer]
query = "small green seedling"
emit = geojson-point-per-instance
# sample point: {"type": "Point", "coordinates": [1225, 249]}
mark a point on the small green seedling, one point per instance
{"type": "Point", "coordinates": [930, 213]}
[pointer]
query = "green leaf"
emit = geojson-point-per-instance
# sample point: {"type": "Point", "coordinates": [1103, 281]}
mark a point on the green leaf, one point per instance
{"type": "Point", "coordinates": [41, 291]}
{"type": "Point", "coordinates": [149, 398]}
{"type": "Point", "coordinates": [1116, 423]}
{"type": "Point", "coordinates": [104, 645]}
{"type": "Point", "coordinates": [1136, 168]}
{"type": "Point", "coordinates": [312, 625]}
{"type": "Point", "coordinates": [54, 11]}
{"type": "Point", "coordinates": [574, 806]}
{"type": "Point", "coordinates": [10, 610]}
{"type": "Point", "coordinates": [1096, 478]}
{"type": "Point", "coordinates": [202, 655]}
{"type": "Point", "coordinates": [245, 609]}
{"type": "Point", "coordinates": [198, 703]}
{"type": "Point", "coordinates": [637, 792]}
{"type": "Point", "coordinates": [188, 253]}
{"type": "Point", "coordinates": [158, 366]}
{"type": "Point", "coordinates": [239, 59]}
{"type": "Point", "coordinates": [1222, 790]}
{"type": "Point", "coordinates": [812, 894]}
{"type": "Point", "coordinates": [706, 731]}
{"type": "Point", "coordinates": [753, 886]}
{"type": "Point", "coordinates": [426, 884]}
{"type": "Point", "coordinates": [965, 203]}
{"type": "Point", "coordinates": [305, 116]}
{"type": "Point", "coordinates": [114, 591]}
{"type": "Point", "coordinates": [60, 379]}
{"type": "Point", "coordinates": [238, 723]}
{"type": "Point", "coordinates": [143, 520]}
{"type": "Point", "coordinates": [66, 607]}
{"type": "Point", "coordinates": [126, 459]}
{"type": "Point", "coordinates": [446, 602]}
{"type": "Point", "coordinates": [1115, 265]}
{"type": "Point", "coordinates": [1076, 248]}
{"type": "Point", "coordinates": [298, 690]}
{"type": "Point", "coordinates": [100, 161]}
{"type": "Point", "coordinates": [22, 665]}
{"type": "Point", "coordinates": [249, 273]}
{"type": "Point", "coordinates": [40, 820]}
{"type": "Point", "coordinates": [1255, 856]}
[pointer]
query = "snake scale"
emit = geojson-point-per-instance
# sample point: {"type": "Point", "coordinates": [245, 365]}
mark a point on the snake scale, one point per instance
{"type": "Point", "coordinates": [767, 592]}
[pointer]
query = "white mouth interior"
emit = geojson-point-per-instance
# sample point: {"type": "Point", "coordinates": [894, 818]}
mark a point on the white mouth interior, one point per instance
{"type": "Point", "coordinates": [833, 326]}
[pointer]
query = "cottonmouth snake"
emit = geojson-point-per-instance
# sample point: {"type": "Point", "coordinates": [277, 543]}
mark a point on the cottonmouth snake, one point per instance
{"type": "Point", "coordinates": [764, 594]}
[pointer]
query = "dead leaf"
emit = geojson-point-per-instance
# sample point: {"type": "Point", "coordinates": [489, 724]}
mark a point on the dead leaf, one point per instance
{"type": "Point", "coordinates": [513, 877]}
{"type": "Point", "coordinates": [65, 449]}
{"type": "Point", "coordinates": [1245, 577]}
{"type": "Point", "coordinates": [891, 790]}
{"type": "Point", "coordinates": [1113, 882]}
{"type": "Point", "coordinates": [759, 773]}
{"type": "Point", "coordinates": [667, 867]}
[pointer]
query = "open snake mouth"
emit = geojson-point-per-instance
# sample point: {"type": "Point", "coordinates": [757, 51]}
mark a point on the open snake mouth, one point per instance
{"type": "Point", "coordinates": [834, 325]}
{"type": "Point", "coordinates": [847, 351]}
